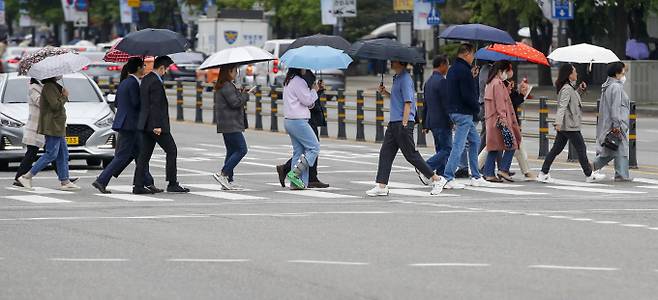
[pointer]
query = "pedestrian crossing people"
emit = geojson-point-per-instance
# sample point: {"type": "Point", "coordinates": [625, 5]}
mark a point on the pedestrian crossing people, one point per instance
{"type": "Point", "coordinates": [435, 114]}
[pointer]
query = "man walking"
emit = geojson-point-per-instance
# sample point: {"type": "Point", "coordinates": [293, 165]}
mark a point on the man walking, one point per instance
{"type": "Point", "coordinates": [154, 124]}
{"type": "Point", "coordinates": [435, 115]}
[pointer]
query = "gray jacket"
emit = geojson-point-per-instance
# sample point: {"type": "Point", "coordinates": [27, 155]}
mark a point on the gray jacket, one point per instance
{"type": "Point", "coordinates": [229, 109]}
{"type": "Point", "coordinates": [569, 112]}
{"type": "Point", "coordinates": [614, 112]}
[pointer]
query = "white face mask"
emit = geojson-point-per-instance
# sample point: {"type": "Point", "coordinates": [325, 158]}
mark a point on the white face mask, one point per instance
{"type": "Point", "coordinates": [623, 79]}
{"type": "Point", "coordinates": [503, 76]}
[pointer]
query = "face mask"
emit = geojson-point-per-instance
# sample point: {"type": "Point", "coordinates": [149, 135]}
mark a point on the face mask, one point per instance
{"type": "Point", "coordinates": [59, 78]}
{"type": "Point", "coordinates": [573, 83]}
{"type": "Point", "coordinates": [503, 76]}
{"type": "Point", "coordinates": [623, 79]}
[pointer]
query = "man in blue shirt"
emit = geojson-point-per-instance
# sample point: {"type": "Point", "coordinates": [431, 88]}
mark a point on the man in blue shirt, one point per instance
{"type": "Point", "coordinates": [435, 115]}
{"type": "Point", "coordinates": [399, 133]}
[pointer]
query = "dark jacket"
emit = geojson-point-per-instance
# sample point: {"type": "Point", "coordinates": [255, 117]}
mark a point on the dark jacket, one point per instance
{"type": "Point", "coordinates": [154, 111]}
{"type": "Point", "coordinates": [229, 109]}
{"type": "Point", "coordinates": [435, 114]}
{"type": "Point", "coordinates": [128, 103]}
{"type": "Point", "coordinates": [52, 114]}
{"type": "Point", "coordinates": [317, 111]}
{"type": "Point", "coordinates": [462, 89]}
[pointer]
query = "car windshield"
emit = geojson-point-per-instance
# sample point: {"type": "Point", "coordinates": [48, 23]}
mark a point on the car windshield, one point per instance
{"type": "Point", "coordinates": [283, 48]}
{"type": "Point", "coordinates": [80, 90]}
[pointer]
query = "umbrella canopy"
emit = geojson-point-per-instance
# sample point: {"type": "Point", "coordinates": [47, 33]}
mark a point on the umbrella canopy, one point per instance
{"type": "Point", "coordinates": [153, 42]}
{"type": "Point", "coordinates": [58, 65]}
{"type": "Point", "coordinates": [332, 41]}
{"type": "Point", "coordinates": [636, 49]}
{"type": "Point", "coordinates": [316, 58]}
{"type": "Point", "coordinates": [238, 55]}
{"type": "Point", "coordinates": [522, 51]}
{"type": "Point", "coordinates": [116, 55]}
{"type": "Point", "coordinates": [583, 54]}
{"type": "Point", "coordinates": [28, 61]}
{"type": "Point", "coordinates": [385, 49]}
{"type": "Point", "coordinates": [486, 54]}
{"type": "Point", "coordinates": [478, 33]}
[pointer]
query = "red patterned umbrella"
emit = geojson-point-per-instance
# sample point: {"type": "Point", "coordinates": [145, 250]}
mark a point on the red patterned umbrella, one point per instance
{"type": "Point", "coordinates": [521, 50]}
{"type": "Point", "coordinates": [116, 55]}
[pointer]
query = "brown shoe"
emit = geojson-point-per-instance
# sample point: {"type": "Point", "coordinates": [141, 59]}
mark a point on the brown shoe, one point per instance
{"type": "Point", "coordinates": [506, 176]}
{"type": "Point", "coordinates": [493, 179]}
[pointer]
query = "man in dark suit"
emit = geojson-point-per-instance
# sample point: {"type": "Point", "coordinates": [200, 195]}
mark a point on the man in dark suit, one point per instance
{"type": "Point", "coordinates": [125, 123]}
{"type": "Point", "coordinates": [154, 124]}
{"type": "Point", "coordinates": [435, 115]}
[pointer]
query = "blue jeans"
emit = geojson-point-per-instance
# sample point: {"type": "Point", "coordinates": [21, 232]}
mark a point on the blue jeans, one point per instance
{"type": "Point", "coordinates": [465, 130]}
{"type": "Point", "coordinates": [504, 165]}
{"type": "Point", "coordinates": [56, 150]}
{"type": "Point", "coordinates": [442, 146]}
{"type": "Point", "coordinates": [304, 142]}
{"type": "Point", "coordinates": [236, 149]}
{"type": "Point", "coordinates": [621, 164]}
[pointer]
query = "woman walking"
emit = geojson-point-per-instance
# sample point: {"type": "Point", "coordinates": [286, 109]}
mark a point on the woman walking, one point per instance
{"type": "Point", "coordinates": [52, 124]}
{"type": "Point", "coordinates": [297, 100]}
{"type": "Point", "coordinates": [567, 124]}
{"type": "Point", "coordinates": [503, 132]}
{"type": "Point", "coordinates": [231, 123]}
{"type": "Point", "coordinates": [614, 114]}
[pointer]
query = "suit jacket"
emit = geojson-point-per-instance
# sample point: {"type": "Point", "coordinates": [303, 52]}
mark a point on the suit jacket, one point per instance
{"type": "Point", "coordinates": [435, 112]}
{"type": "Point", "coordinates": [154, 111]}
{"type": "Point", "coordinates": [128, 104]}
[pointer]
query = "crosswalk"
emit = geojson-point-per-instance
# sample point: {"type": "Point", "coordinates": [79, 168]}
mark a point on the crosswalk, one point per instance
{"type": "Point", "coordinates": [210, 192]}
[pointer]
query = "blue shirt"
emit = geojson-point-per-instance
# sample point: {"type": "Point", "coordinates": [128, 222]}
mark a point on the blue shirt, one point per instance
{"type": "Point", "coordinates": [402, 91]}
{"type": "Point", "coordinates": [159, 77]}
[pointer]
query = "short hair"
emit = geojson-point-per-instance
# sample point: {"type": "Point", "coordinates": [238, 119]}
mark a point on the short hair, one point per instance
{"type": "Point", "coordinates": [615, 68]}
{"type": "Point", "coordinates": [439, 60]}
{"type": "Point", "coordinates": [465, 48]}
{"type": "Point", "coordinates": [403, 63]}
{"type": "Point", "coordinates": [160, 61]}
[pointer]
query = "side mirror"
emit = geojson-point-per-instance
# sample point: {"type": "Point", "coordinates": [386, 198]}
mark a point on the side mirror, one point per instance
{"type": "Point", "coordinates": [111, 98]}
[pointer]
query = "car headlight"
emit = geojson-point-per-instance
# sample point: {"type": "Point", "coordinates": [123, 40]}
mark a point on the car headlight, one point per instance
{"type": "Point", "coordinates": [6, 121]}
{"type": "Point", "coordinates": [105, 121]}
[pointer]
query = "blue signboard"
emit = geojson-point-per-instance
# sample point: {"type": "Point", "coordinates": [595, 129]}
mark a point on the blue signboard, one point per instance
{"type": "Point", "coordinates": [434, 17]}
{"type": "Point", "coordinates": [147, 6]}
{"type": "Point", "coordinates": [562, 10]}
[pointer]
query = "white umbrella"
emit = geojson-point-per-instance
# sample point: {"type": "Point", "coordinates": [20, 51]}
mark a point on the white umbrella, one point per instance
{"type": "Point", "coordinates": [58, 65]}
{"type": "Point", "coordinates": [583, 54]}
{"type": "Point", "coordinates": [238, 55]}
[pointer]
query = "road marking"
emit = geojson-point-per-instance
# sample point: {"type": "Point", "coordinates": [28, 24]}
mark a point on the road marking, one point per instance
{"type": "Point", "coordinates": [502, 191]}
{"type": "Point", "coordinates": [577, 183]}
{"type": "Point", "coordinates": [558, 217]}
{"type": "Point", "coordinates": [653, 228]}
{"type": "Point", "coordinates": [39, 190]}
{"type": "Point", "coordinates": [328, 262]}
{"type": "Point", "coordinates": [572, 268]}
{"type": "Point", "coordinates": [226, 195]}
{"type": "Point", "coordinates": [37, 199]}
{"type": "Point", "coordinates": [331, 188]}
{"type": "Point", "coordinates": [327, 157]}
{"type": "Point", "coordinates": [594, 190]}
{"type": "Point", "coordinates": [121, 188]}
{"type": "Point", "coordinates": [606, 222]}
{"type": "Point", "coordinates": [257, 164]}
{"type": "Point", "coordinates": [78, 171]}
{"type": "Point", "coordinates": [493, 184]}
{"type": "Point", "coordinates": [580, 219]}
{"type": "Point", "coordinates": [317, 194]}
{"type": "Point", "coordinates": [214, 187]}
{"type": "Point", "coordinates": [449, 265]}
{"type": "Point", "coordinates": [415, 193]}
{"type": "Point", "coordinates": [133, 197]}
{"type": "Point", "coordinates": [214, 260]}
{"type": "Point", "coordinates": [394, 185]}
{"type": "Point", "coordinates": [645, 180]}
{"type": "Point", "coordinates": [89, 259]}
{"type": "Point", "coordinates": [634, 225]}
{"type": "Point", "coordinates": [655, 187]}
{"type": "Point", "coordinates": [192, 149]}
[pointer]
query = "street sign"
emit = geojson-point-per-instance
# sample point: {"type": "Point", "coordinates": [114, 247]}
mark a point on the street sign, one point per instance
{"type": "Point", "coordinates": [434, 18]}
{"type": "Point", "coordinates": [403, 5]}
{"type": "Point", "coordinates": [345, 8]}
{"type": "Point", "coordinates": [422, 11]}
{"type": "Point", "coordinates": [134, 3]}
{"type": "Point", "coordinates": [562, 10]}
{"type": "Point", "coordinates": [147, 7]}
{"type": "Point", "coordinates": [2, 12]}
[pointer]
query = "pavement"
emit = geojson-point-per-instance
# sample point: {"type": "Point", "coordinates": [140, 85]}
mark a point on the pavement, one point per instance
{"type": "Point", "coordinates": [521, 240]}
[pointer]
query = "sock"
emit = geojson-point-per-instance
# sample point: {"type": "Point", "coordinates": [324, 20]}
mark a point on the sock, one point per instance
{"type": "Point", "coordinates": [28, 175]}
{"type": "Point", "coordinates": [301, 166]}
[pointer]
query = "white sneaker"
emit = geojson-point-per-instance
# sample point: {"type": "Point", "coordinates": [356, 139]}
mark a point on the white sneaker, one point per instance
{"type": "Point", "coordinates": [480, 182]}
{"type": "Point", "coordinates": [235, 187]}
{"type": "Point", "coordinates": [544, 178]}
{"type": "Point", "coordinates": [223, 180]}
{"type": "Point", "coordinates": [377, 191]}
{"type": "Point", "coordinates": [26, 182]}
{"type": "Point", "coordinates": [454, 185]}
{"type": "Point", "coordinates": [595, 177]}
{"type": "Point", "coordinates": [437, 186]}
{"type": "Point", "coordinates": [70, 186]}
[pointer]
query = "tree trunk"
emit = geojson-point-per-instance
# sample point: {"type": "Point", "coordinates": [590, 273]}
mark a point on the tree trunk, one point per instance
{"type": "Point", "coordinates": [618, 26]}
{"type": "Point", "coordinates": [541, 33]}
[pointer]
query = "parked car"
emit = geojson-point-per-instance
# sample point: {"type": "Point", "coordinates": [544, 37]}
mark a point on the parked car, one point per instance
{"type": "Point", "coordinates": [89, 131]}
{"type": "Point", "coordinates": [13, 56]}
{"type": "Point", "coordinates": [101, 68]}
{"type": "Point", "coordinates": [185, 66]}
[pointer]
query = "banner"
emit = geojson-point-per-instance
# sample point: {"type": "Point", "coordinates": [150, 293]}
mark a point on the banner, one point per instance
{"type": "Point", "coordinates": [422, 10]}
{"type": "Point", "coordinates": [126, 12]}
{"type": "Point", "coordinates": [327, 8]}
{"type": "Point", "coordinates": [403, 5]}
{"type": "Point", "coordinates": [76, 11]}
{"type": "Point", "coordinates": [2, 12]}
{"type": "Point", "coordinates": [345, 8]}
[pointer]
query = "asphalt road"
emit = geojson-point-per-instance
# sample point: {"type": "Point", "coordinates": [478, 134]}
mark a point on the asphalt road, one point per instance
{"type": "Point", "coordinates": [525, 240]}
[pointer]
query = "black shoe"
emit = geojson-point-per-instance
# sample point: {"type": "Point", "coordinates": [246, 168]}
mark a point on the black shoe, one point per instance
{"type": "Point", "coordinates": [154, 189]}
{"type": "Point", "coordinates": [101, 188]}
{"type": "Point", "coordinates": [141, 191]}
{"type": "Point", "coordinates": [281, 170]}
{"type": "Point", "coordinates": [18, 183]}
{"type": "Point", "coordinates": [421, 177]}
{"type": "Point", "coordinates": [177, 189]}
{"type": "Point", "coordinates": [317, 185]}
{"type": "Point", "coordinates": [73, 179]}
{"type": "Point", "coordinates": [462, 173]}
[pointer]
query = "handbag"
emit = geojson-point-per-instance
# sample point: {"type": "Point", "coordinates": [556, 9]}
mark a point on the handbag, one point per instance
{"type": "Point", "coordinates": [508, 137]}
{"type": "Point", "coordinates": [611, 141]}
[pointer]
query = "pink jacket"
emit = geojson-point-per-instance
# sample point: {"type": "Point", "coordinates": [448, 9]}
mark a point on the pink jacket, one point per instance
{"type": "Point", "coordinates": [297, 99]}
{"type": "Point", "coordinates": [498, 105]}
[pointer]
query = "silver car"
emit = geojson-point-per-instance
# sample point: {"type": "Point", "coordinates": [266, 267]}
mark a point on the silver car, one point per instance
{"type": "Point", "coordinates": [89, 131]}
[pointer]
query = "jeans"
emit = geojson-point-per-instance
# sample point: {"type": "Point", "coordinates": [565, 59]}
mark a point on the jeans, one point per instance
{"type": "Point", "coordinates": [561, 140]}
{"type": "Point", "coordinates": [465, 130]}
{"type": "Point", "coordinates": [442, 146]}
{"type": "Point", "coordinates": [503, 165]}
{"type": "Point", "coordinates": [31, 155]}
{"type": "Point", "coordinates": [398, 137]}
{"type": "Point", "coordinates": [56, 150]}
{"type": "Point", "coordinates": [236, 149]}
{"type": "Point", "coordinates": [621, 164]}
{"type": "Point", "coordinates": [127, 150]}
{"type": "Point", "coordinates": [304, 142]}
{"type": "Point", "coordinates": [313, 170]}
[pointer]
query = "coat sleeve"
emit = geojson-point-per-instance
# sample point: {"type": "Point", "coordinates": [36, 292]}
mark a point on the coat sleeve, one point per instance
{"type": "Point", "coordinates": [133, 95]}
{"type": "Point", "coordinates": [233, 98]}
{"type": "Point", "coordinates": [563, 105]}
{"type": "Point", "coordinates": [499, 98]}
{"type": "Point", "coordinates": [423, 115]}
{"type": "Point", "coordinates": [53, 98]}
{"type": "Point", "coordinates": [615, 108]}
{"type": "Point", "coordinates": [154, 104]}
{"type": "Point", "coordinates": [467, 86]}
{"type": "Point", "coordinates": [305, 95]}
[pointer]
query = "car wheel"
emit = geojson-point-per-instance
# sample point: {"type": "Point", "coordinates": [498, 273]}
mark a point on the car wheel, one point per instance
{"type": "Point", "coordinates": [93, 162]}
{"type": "Point", "coordinates": [4, 166]}
{"type": "Point", "coordinates": [106, 162]}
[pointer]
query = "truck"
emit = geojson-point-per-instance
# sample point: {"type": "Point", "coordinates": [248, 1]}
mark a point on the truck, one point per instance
{"type": "Point", "coordinates": [216, 34]}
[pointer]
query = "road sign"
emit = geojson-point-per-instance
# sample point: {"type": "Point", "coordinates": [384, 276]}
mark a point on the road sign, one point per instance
{"type": "Point", "coordinates": [147, 7]}
{"type": "Point", "coordinates": [2, 12]}
{"type": "Point", "coordinates": [134, 3]}
{"type": "Point", "coordinates": [434, 18]}
{"type": "Point", "coordinates": [562, 10]}
{"type": "Point", "coordinates": [345, 8]}
{"type": "Point", "coordinates": [403, 5]}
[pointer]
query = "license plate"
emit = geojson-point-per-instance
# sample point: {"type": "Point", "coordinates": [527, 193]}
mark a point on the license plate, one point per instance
{"type": "Point", "coordinates": [72, 140]}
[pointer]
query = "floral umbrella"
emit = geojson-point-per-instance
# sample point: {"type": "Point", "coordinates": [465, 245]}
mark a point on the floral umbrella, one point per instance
{"type": "Point", "coordinates": [29, 60]}
{"type": "Point", "coordinates": [522, 51]}
{"type": "Point", "coordinates": [116, 55]}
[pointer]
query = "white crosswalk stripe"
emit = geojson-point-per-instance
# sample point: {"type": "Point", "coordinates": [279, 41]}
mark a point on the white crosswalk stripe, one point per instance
{"type": "Point", "coordinates": [502, 191]}
{"type": "Point", "coordinates": [39, 190]}
{"type": "Point", "coordinates": [227, 195]}
{"type": "Point", "coordinates": [317, 194]}
{"type": "Point", "coordinates": [594, 190]}
{"type": "Point", "coordinates": [393, 185]}
{"type": "Point", "coordinates": [37, 199]}
{"type": "Point", "coordinates": [417, 193]}
{"type": "Point", "coordinates": [133, 198]}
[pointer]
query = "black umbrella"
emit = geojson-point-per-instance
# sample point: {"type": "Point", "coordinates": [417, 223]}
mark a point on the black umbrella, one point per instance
{"type": "Point", "coordinates": [478, 33]}
{"type": "Point", "coordinates": [153, 42]}
{"type": "Point", "coordinates": [385, 49]}
{"type": "Point", "coordinates": [332, 41]}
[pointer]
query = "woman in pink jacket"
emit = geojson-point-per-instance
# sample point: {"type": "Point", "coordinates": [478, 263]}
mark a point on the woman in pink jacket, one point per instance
{"type": "Point", "coordinates": [503, 132]}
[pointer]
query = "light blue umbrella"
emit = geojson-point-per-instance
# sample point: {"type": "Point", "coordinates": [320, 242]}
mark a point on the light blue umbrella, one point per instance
{"type": "Point", "coordinates": [316, 58]}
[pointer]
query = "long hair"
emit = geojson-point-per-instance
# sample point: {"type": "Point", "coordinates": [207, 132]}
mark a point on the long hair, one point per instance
{"type": "Point", "coordinates": [501, 65]}
{"type": "Point", "coordinates": [224, 76]}
{"type": "Point", "coordinates": [131, 67]}
{"type": "Point", "coordinates": [292, 72]}
{"type": "Point", "coordinates": [563, 76]}
{"type": "Point", "coordinates": [34, 81]}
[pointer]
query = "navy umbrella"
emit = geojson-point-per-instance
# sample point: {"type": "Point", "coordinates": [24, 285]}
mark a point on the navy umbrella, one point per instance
{"type": "Point", "coordinates": [385, 49]}
{"type": "Point", "coordinates": [477, 33]}
{"type": "Point", "coordinates": [153, 42]}
{"type": "Point", "coordinates": [332, 41]}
